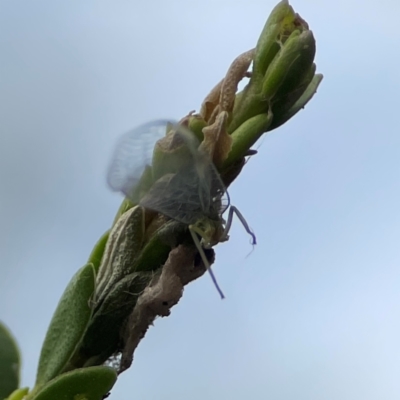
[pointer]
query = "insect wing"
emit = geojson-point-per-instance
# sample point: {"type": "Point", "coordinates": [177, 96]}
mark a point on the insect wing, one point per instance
{"type": "Point", "coordinates": [187, 195]}
{"type": "Point", "coordinates": [194, 191]}
{"type": "Point", "coordinates": [176, 196]}
{"type": "Point", "coordinates": [219, 195]}
{"type": "Point", "coordinates": [132, 155]}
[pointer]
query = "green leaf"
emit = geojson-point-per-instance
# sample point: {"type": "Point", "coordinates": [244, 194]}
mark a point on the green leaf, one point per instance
{"type": "Point", "coordinates": [268, 46]}
{"type": "Point", "coordinates": [103, 335]}
{"type": "Point", "coordinates": [67, 326]}
{"type": "Point", "coordinates": [300, 103]}
{"type": "Point", "coordinates": [9, 363]}
{"type": "Point", "coordinates": [18, 394]}
{"type": "Point", "coordinates": [82, 384]}
{"type": "Point", "coordinates": [246, 135]}
{"type": "Point", "coordinates": [98, 251]}
{"type": "Point", "coordinates": [117, 288]}
{"type": "Point", "coordinates": [290, 64]}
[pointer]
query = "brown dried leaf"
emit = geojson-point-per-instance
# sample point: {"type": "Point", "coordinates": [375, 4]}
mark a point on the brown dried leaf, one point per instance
{"type": "Point", "coordinates": [222, 96]}
{"type": "Point", "coordinates": [211, 101]}
{"type": "Point", "coordinates": [236, 72]}
{"type": "Point", "coordinates": [163, 292]}
{"type": "Point", "coordinates": [217, 142]}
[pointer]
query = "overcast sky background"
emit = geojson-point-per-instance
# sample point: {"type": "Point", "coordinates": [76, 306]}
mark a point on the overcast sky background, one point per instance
{"type": "Point", "coordinates": [313, 312]}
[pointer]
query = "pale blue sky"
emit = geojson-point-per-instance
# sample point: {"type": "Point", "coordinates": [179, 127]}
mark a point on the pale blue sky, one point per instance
{"type": "Point", "coordinates": [313, 312]}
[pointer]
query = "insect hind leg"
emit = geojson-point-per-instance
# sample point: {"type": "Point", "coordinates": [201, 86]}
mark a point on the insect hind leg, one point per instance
{"type": "Point", "coordinates": [200, 249]}
{"type": "Point", "coordinates": [234, 210]}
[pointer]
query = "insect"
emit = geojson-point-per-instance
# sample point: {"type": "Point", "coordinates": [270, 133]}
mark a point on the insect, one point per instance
{"type": "Point", "coordinates": [184, 186]}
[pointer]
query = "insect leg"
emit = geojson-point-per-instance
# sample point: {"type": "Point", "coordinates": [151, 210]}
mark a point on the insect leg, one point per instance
{"type": "Point", "coordinates": [196, 241]}
{"type": "Point", "coordinates": [234, 210]}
